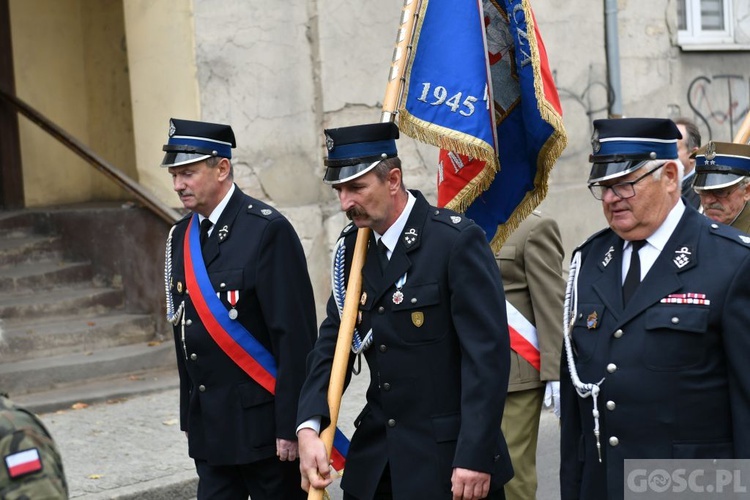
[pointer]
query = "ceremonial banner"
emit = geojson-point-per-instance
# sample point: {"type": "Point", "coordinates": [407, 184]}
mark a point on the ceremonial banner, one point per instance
{"type": "Point", "coordinates": [507, 58]}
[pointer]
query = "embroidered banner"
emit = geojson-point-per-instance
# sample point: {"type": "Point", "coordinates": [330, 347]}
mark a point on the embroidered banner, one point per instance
{"type": "Point", "coordinates": [505, 55]}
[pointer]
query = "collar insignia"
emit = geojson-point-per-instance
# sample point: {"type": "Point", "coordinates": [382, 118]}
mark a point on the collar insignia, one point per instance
{"type": "Point", "coordinates": [223, 233]}
{"type": "Point", "coordinates": [410, 237]}
{"type": "Point", "coordinates": [608, 256]}
{"type": "Point", "coordinates": [682, 257]}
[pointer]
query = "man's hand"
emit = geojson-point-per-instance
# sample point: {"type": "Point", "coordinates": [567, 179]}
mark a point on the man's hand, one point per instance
{"type": "Point", "coordinates": [552, 396]}
{"type": "Point", "coordinates": [314, 465]}
{"type": "Point", "coordinates": [286, 450]}
{"type": "Point", "coordinates": [469, 485]}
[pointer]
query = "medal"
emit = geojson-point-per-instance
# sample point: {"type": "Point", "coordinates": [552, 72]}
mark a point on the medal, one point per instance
{"type": "Point", "coordinates": [398, 296]}
{"type": "Point", "coordinates": [232, 297]}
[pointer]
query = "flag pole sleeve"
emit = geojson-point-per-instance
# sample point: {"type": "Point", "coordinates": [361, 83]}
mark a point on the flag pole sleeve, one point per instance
{"type": "Point", "coordinates": [743, 134]}
{"type": "Point", "coordinates": [340, 363]}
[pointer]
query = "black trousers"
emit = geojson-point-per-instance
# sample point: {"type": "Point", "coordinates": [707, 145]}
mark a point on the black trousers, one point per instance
{"type": "Point", "coordinates": [269, 479]}
{"type": "Point", "coordinates": [385, 492]}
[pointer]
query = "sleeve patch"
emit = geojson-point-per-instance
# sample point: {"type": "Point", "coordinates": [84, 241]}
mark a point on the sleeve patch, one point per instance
{"type": "Point", "coordinates": [23, 462]}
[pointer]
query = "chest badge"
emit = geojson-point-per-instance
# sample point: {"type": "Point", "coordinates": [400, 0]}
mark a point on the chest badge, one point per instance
{"type": "Point", "coordinates": [417, 318]}
{"type": "Point", "coordinates": [592, 321]}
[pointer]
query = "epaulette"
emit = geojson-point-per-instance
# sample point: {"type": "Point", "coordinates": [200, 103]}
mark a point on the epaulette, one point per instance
{"type": "Point", "coordinates": [451, 218]}
{"type": "Point", "coordinates": [349, 229]}
{"type": "Point", "coordinates": [184, 218]}
{"type": "Point", "coordinates": [592, 238]}
{"type": "Point", "coordinates": [730, 233]}
{"type": "Point", "coordinates": [262, 210]}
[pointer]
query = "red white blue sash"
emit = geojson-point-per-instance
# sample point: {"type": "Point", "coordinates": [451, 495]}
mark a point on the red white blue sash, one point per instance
{"type": "Point", "coordinates": [233, 338]}
{"type": "Point", "coordinates": [523, 336]}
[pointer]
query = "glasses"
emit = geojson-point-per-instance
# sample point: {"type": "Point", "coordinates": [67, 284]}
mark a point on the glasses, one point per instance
{"type": "Point", "coordinates": [718, 193]}
{"type": "Point", "coordinates": [623, 190]}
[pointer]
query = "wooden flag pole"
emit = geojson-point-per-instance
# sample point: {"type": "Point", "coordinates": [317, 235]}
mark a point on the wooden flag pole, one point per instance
{"type": "Point", "coordinates": [743, 134]}
{"type": "Point", "coordinates": [340, 363]}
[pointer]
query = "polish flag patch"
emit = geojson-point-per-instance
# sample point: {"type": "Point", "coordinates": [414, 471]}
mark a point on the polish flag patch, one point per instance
{"type": "Point", "coordinates": [22, 463]}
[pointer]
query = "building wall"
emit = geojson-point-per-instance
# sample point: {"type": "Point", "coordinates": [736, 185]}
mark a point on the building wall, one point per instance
{"type": "Point", "coordinates": [280, 76]}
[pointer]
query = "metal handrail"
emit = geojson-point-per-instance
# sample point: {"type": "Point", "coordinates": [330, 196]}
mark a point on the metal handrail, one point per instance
{"type": "Point", "coordinates": [118, 176]}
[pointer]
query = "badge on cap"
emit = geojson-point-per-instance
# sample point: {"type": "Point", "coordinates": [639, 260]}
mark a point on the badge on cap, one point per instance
{"type": "Point", "coordinates": [172, 128]}
{"type": "Point", "coordinates": [710, 150]}
{"type": "Point", "coordinates": [595, 144]}
{"type": "Point", "coordinates": [329, 142]}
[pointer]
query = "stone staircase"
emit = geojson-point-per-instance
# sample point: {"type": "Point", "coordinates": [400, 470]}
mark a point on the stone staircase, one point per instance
{"type": "Point", "coordinates": [66, 335]}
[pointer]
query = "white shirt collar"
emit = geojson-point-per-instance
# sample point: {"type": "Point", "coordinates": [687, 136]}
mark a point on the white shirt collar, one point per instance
{"type": "Point", "coordinates": [392, 234]}
{"type": "Point", "coordinates": [661, 236]}
{"type": "Point", "coordinates": [214, 217]}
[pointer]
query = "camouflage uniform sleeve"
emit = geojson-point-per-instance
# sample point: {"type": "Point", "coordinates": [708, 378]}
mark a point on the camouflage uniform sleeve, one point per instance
{"type": "Point", "coordinates": [32, 466]}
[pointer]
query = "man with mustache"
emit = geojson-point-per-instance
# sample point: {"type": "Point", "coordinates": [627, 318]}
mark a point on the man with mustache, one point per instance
{"type": "Point", "coordinates": [242, 306]}
{"type": "Point", "coordinates": [722, 181]}
{"type": "Point", "coordinates": [432, 327]}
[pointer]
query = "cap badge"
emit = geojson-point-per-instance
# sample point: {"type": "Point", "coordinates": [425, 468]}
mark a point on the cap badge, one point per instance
{"type": "Point", "coordinates": [682, 258]}
{"type": "Point", "coordinates": [710, 150]}
{"type": "Point", "coordinates": [329, 142]}
{"type": "Point", "coordinates": [595, 144]}
{"type": "Point", "coordinates": [172, 128]}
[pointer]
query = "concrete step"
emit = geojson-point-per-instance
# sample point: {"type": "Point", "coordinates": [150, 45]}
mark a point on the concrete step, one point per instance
{"type": "Point", "coordinates": [43, 275]}
{"type": "Point", "coordinates": [57, 335]}
{"type": "Point", "coordinates": [84, 300]}
{"type": "Point", "coordinates": [60, 372]}
{"type": "Point", "coordinates": [109, 389]}
{"type": "Point", "coordinates": [27, 248]}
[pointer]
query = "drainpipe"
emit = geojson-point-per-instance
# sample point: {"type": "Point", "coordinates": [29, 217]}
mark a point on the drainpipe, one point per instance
{"type": "Point", "coordinates": [613, 58]}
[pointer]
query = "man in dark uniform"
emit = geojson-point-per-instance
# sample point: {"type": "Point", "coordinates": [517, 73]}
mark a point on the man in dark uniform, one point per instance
{"type": "Point", "coordinates": [723, 184]}
{"type": "Point", "coordinates": [657, 336]}
{"type": "Point", "coordinates": [32, 465]}
{"type": "Point", "coordinates": [433, 330]}
{"type": "Point", "coordinates": [244, 315]}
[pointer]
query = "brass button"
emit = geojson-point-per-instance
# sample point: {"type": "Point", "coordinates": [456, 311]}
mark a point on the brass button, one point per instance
{"type": "Point", "coordinates": [193, 356]}
{"type": "Point", "coordinates": [613, 441]}
{"type": "Point", "coordinates": [386, 386]}
{"type": "Point", "coordinates": [188, 322]}
{"type": "Point", "coordinates": [618, 334]}
{"type": "Point", "coordinates": [223, 285]}
{"type": "Point", "coordinates": [383, 348]}
{"type": "Point", "coordinates": [611, 368]}
{"type": "Point", "coordinates": [611, 405]}
{"type": "Point", "coordinates": [391, 422]}
{"type": "Point", "coordinates": [414, 300]}
{"type": "Point", "coordinates": [381, 310]}
{"type": "Point", "coordinates": [675, 320]}
{"type": "Point", "coordinates": [202, 388]}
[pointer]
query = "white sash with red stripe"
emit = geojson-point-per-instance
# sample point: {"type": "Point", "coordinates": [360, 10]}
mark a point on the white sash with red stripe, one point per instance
{"type": "Point", "coordinates": [523, 336]}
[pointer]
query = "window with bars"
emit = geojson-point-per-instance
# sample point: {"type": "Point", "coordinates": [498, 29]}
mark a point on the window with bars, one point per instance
{"type": "Point", "coordinates": [704, 22]}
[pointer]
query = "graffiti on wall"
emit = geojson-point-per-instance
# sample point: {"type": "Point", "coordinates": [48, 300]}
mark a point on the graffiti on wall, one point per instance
{"type": "Point", "coordinates": [719, 103]}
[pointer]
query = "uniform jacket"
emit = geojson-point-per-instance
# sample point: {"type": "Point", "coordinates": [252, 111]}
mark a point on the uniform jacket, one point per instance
{"type": "Point", "coordinates": [438, 363]}
{"type": "Point", "coordinates": [742, 222]}
{"type": "Point", "coordinates": [530, 264]}
{"type": "Point", "coordinates": [676, 383]}
{"type": "Point", "coordinates": [229, 418]}
{"type": "Point", "coordinates": [20, 431]}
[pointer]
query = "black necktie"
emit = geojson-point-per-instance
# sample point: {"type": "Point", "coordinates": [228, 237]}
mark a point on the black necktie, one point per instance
{"type": "Point", "coordinates": [205, 226]}
{"type": "Point", "coordinates": [382, 254]}
{"type": "Point", "coordinates": [633, 278]}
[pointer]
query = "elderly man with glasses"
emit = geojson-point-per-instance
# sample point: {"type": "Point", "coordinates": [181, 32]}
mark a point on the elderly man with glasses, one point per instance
{"type": "Point", "coordinates": [654, 365]}
{"type": "Point", "coordinates": [721, 181]}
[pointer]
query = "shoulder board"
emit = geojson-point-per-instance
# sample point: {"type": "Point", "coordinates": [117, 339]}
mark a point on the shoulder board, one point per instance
{"type": "Point", "coordinates": [260, 209]}
{"type": "Point", "coordinates": [350, 228]}
{"type": "Point", "coordinates": [593, 237]}
{"type": "Point", "coordinates": [184, 218]}
{"type": "Point", "coordinates": [729, 233]}
{"type": "Point", "coordinates": [451, 218]}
